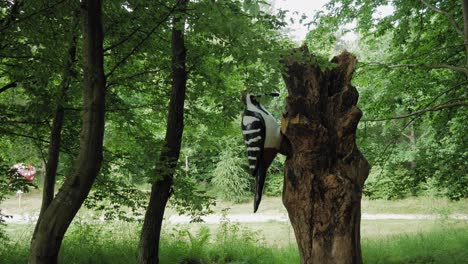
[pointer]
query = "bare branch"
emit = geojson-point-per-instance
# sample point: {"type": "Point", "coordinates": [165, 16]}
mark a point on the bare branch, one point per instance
{"type": "Point", "coordinates": [445, 13]}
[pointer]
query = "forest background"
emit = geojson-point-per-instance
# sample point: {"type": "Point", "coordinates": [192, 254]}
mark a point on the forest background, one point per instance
{"type": "Point", "coordinates": [411, 75]}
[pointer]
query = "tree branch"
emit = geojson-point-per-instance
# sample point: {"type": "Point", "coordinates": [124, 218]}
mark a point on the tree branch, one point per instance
{"type": "Point", "coordinates": [136, 75]}
{"type": "Point", "coordinates": [8, 86]}
{"type": "Point", "coordinates": [456, 102]}
{"type": "Point", "coordinates": [3, 131]}
{"type": "Point", "coordinates": [390, 146]}
{"type": "Point", "coordinates": [62, 149]}
{"type": "Point", "coordinates": [440, 66]}
{"type": "Point", "coordinates": [456, 86]}
{"type": "Point", "coordinates": [27, 122]}
{"type": "Point", "coordinates": [31, 15]}
{"type": "Point", "coordinates": [463, 70]}
{"type": "Point", "coordinates": [122, 61]}
{"type": "Point", "coordinates": [446, 14]}
{"type": "Point", "coordinates": [407, 136]}
{"type": "Point", "coordinates": [125, 39]}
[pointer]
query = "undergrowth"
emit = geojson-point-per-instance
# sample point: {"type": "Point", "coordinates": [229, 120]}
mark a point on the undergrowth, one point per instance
{"type": "Point", "coordinates": [229, 243]}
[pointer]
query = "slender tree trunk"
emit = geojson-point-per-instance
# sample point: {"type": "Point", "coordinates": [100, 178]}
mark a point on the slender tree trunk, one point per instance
{"type": "Point", "coordinates": [55, 220]}
{"type": "Point", "coordinates": [413, 147]}
{"type": "Point", "coordinates": [57, 123]}
{"type": "Point", "coordinates": [465, 28]}
{"type": "Point", "coordinates": [324, 171]}
{"type": "Point", "coordinates": [161, 188]}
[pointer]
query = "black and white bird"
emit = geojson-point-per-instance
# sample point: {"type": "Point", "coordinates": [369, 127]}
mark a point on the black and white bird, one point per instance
{"type": "Point", "coordinates": [262, 137]}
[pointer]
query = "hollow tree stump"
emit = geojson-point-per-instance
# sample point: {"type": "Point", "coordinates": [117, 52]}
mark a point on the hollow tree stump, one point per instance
{"type": "Point", "coordinates": [324, 171]}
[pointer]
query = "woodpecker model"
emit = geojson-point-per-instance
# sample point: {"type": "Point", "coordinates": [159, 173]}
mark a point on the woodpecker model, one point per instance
{"type": "Point", "coordinates": [262, 138]}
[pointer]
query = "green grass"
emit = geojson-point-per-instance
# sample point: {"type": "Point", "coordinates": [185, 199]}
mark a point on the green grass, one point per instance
{"type": "Point", "coordinates": [417, 242]}
{"type": "Point", "coordinates": [439, 246]}
{"type": "Point", "coordinates": [383, 241]}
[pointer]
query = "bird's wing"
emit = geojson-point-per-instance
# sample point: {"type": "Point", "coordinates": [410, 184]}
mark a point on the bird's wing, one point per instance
{"type": "Point", "coordinates": [253, 129]}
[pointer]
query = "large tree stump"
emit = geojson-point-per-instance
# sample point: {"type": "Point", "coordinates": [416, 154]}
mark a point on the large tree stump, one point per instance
{"type": "Point", "coordinates": [324, 171]}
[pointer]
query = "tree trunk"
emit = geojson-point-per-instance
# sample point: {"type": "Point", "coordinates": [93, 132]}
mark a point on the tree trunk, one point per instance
{"type": "Point", "coordinates": [54, 222]}
{"type": "Point", "coordinates": [324, 171]}
{"type": "Point", "coordinates": [161, 188]}
{"type": "Point", "coordinates": [57, 123]}
{"type": "Point", "coordinates": [413, 147]}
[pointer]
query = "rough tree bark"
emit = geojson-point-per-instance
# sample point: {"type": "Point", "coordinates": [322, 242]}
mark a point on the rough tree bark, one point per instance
{"type": "Point", "coordinates": [324, 172]}
{"type": "Point", "coordinates": [166, 166]}
{"type": "Point", "coordinates": [54, 222]}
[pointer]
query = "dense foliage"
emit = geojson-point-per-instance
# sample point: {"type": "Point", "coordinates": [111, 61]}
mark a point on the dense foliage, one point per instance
{"type": "Point", "coordinates": [223, 59]}
{"type": "Point", "coordinates": [413, 91]}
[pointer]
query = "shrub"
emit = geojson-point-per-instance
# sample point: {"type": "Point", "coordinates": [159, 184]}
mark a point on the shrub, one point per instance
{"type": "Point", "coordinates": [3, 192]}
{"type": "Point", "coordinates": [274, 185]}
{"type": "Point", "coordinates": [274, 180]}
{"type": "Point", "coordinates": [388, 183]}
{"type": "Point", "coordinates": [230, 179]}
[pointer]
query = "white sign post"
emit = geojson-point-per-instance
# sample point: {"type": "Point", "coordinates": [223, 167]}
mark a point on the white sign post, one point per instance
{"type": "Point", "coordinates": [19, 193]}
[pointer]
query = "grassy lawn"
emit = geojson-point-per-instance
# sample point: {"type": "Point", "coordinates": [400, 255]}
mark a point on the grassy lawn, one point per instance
{"type": "Point", "coordinates": [416, 205]}
{"type": "Point", "coordinates": [441, 245]}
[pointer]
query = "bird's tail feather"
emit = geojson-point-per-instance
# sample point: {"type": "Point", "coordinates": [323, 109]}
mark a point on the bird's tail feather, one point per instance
{"type": "Point", "coordinates": [259, 183]}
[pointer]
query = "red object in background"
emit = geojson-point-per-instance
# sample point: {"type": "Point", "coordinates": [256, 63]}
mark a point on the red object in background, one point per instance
{"type": "Point", "coordinates": [28, 172]}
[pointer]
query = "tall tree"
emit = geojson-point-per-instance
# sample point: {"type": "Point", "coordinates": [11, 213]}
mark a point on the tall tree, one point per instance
{"type": "Point", "coordinates": [324, 172]}
{"type": "Point", "coordinates": [55, 220]}
{"type": "Point", "coordinates": [58, 119]}
{"type": "Point", "coordinates": [166, 166]}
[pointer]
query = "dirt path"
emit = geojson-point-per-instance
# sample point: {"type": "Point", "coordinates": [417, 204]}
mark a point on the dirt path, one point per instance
{"type": "Point", "coordinates": [254, 218]}
{"type": "Point", "coordinates": [25, 211]}
{"type": "Point", "coordinates": [261, 218]}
